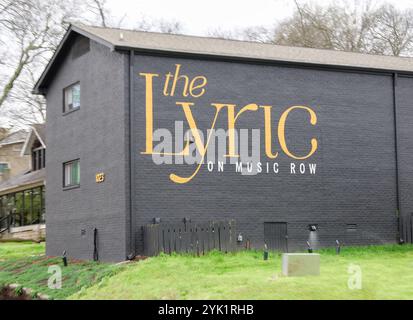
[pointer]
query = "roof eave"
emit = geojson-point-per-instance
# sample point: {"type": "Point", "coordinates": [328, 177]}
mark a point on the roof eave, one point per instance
{"type": "Point", "coordinates": [22, 186]}
{"type": "Point", "coordinates": [246, 58]}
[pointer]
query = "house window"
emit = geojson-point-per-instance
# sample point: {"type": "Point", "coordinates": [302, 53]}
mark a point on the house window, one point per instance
{"type": "Point", "coordinates": [25, 207]}
{"type": "Point", "coordinates": [4, 167]}
{"type": "Point", "coordinates": [38, 158]}
{"type": "Point", "coordinates": [71, 173]}
{"type": "Point", "coordinates": [72, 97]}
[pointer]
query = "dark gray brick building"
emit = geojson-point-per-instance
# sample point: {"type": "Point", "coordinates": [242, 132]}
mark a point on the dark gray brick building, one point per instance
{"type": "Point", "coordinates": [335, 146]}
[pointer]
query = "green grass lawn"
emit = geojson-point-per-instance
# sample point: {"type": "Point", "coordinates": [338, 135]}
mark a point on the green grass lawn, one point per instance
{"type": "Point", "coordinates": [13, 250]}
{"type": "Point", "coordinates": [387, 273]}
{"type": "Point", "coordinates": [24, 263]}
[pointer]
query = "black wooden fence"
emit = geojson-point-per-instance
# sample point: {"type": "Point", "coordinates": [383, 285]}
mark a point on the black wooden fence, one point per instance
{"type": "Point", "coordinates": [195, 238]}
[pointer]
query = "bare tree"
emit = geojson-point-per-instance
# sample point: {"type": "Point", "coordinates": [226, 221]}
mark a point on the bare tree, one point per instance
{"type": "Point", "coordinates": [99, 11]}
{"type": "Point", "coordinates": [349, 26]}
{"type": "Point", "coordinates": [32, 107]}
{"type": "Point", "coordinates": [393, 31]}
{"type": "Point", "coordinates": [31, 29]}
{"type": "Point", "coordinates": [225, 34]}
{"type": "Point", "coordinates": [337, 26]}
{"type": "Point", "coordinates": [160, 25]}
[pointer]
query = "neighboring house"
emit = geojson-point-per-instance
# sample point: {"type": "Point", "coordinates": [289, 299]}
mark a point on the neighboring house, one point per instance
{"type": "Point", "coordinates": [334, 142]}
{"type": "Point", "coordinates": [22, 204]}
{"type": "Point", "coordinates": [12, 163]}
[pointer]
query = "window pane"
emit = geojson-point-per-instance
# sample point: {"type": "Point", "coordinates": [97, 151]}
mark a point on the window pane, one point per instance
{"type": "Point", "coordinates": [43, 208]}
{"type": "Point", "coordinates": [68, 99]}
{"type": "Point", "coordinates": [3, 167]}
{"type": "Point", "coordinates": [68, 170]}
{"type": "Point", "coordinates": [19, 212]}
{"type": "Point", "coordinates": [44, 158]}
{"type": "Point", "coordinates": [75, 173]}
{"type": "Point", "coordinates": [78, 172]}
{"type": "Point", "coordinates": [40, 159]}
{"type": "Point", "coordinates": [27, 213]}
{"type": "Point", "coordinates": [2, 210]}
{"type": "Point", "coordinates": [71, 173]}
{"type": "Point", "coordinates": [76, 96]}
{"type": "Point", "coordinates": [72, 97]}
{"type": "Point", "coordinates": [37, 206]}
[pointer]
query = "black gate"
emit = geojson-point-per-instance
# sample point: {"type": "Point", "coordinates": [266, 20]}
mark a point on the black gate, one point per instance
{"type": "Point", "coordinates": [275, 236]}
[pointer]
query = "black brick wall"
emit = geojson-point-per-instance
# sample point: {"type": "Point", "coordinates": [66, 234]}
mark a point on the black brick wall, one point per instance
{"type": "Point", "coordinates": [355, 181]}
{"type": "Point", "coordinates": [97, 135]}
{"type": "Point", "coordinates": [356, 173]}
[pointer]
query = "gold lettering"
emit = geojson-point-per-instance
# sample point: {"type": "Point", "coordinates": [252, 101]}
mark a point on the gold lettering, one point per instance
{"type": "Point", "coordinates": [268, 132]}
{"type": "Point", "coordinates": [149, 119]}
{"type": "Point", "coordinates": [149, 110]}
{"type": "Point", "coordinates": [232, 119]}
{"type": "Point", "coordinates": [201, 85]}
{"type": "Point", "coordinates": [177, 77]}
{"type": "Point", "coordinates": [281, 132]}
{"type": "Point", "coordinates": [198, 141]}
{"type": "Point", "coordinates": [165, 88]}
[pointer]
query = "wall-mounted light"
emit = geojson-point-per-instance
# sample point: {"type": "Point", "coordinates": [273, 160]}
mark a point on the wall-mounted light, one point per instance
{"type": "Point", "coordinates": [312, 227]}
{"type": "Point", "coordinates": [156, 220]}
{"type": "Point", "coordinates": [240, 238]}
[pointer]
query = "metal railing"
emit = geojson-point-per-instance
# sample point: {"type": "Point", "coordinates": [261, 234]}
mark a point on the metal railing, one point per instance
{"type": "Point", "coordinates": [5, 224]}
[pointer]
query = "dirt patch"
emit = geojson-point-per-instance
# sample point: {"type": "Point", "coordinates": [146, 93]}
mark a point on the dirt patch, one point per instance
{"type": "Point", "coordinates": [10, 294]}
{"type": "Point", "coordinates": [140, 258]}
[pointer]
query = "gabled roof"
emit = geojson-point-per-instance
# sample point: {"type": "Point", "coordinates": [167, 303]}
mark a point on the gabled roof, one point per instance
{"type": "Point", "coordinates": [122, 39]}
{"type": "Point", "coordinates": [40, 130]}
{"type": "Point", "coordinates": [37, 132]}
{"type": "Point", "coordinates": [15, 137]}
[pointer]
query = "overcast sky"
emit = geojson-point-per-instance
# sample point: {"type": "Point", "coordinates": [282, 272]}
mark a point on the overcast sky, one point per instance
{"type": "Point", "coordinates": [199, 17]}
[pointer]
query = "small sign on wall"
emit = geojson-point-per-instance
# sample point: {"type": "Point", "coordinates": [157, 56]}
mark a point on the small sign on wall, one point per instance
{"type": "Point", "coordinates": [100, 177]}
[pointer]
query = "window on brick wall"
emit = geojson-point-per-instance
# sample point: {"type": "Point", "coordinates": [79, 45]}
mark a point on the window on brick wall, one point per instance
{"type": "Point", "coordinates": [71, 173]}
{"type": "Point", "coordinates": [71, 99]}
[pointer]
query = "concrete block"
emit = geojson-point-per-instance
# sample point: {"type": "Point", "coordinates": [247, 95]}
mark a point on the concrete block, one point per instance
{"type": "Point", "coordinates": [300, 264]}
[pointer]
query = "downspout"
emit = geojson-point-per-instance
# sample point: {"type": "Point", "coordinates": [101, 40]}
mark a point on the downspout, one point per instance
{"type": "Point", "coordinates": [132, 230]}
{"type": "Point", "coordinates": [396, 142]}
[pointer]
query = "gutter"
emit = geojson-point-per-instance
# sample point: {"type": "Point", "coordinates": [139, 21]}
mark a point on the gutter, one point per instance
{"type": "Point", "coordinates": [259, 60]}
{"type": "Point", "coordinates": [132, 187]}
{"type": "Point", "coordinates": [396, 154]}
